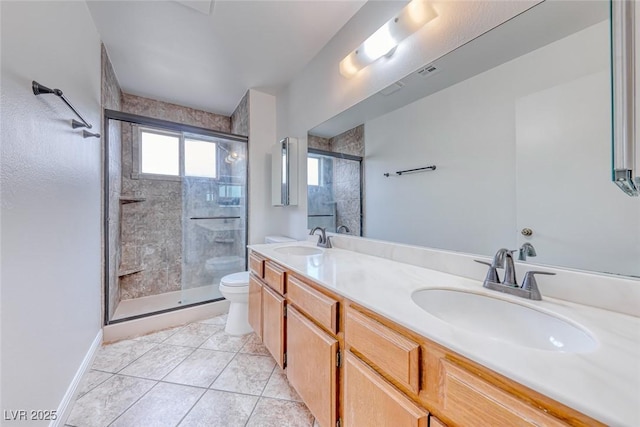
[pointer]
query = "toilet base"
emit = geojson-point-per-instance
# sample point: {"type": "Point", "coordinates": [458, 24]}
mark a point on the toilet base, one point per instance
{"type": "Point", "coordinates": [238, 319]}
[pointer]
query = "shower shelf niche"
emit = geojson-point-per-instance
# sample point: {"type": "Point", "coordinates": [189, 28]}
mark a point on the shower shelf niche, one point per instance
{"type": "Point", "coordinates": [126, 200]}
{"type": "Point", "coordinates": [122, 273]}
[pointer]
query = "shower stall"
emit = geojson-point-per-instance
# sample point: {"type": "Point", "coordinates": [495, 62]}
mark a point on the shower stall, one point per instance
{"type": "Point", "coordinates": [175, 214]}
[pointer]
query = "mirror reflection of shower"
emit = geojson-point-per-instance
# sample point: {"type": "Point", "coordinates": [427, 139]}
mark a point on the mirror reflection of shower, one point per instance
{"type": "Point", "coordinates": [334, 192]}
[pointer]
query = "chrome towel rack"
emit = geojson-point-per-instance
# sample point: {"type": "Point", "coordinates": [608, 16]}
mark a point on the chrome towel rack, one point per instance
{"type": "Point", "coordinates": [39, 89]}
{"type": "Point", "coordinates": [424, 169]}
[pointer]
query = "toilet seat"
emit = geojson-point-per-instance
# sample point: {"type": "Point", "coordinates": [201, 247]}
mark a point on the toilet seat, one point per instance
{"type": "Point", "coordinates": [236, 279]}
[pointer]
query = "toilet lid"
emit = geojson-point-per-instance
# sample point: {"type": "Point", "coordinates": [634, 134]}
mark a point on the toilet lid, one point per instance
{"type": "Point", "coordinates": [236, 279]}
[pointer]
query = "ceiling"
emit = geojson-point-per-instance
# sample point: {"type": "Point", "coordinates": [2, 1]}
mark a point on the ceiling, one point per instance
{"type": "Point", "coordinates": [206, 54]}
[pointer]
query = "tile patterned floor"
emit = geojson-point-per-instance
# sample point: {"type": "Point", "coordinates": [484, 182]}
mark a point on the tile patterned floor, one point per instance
{"type": "Point", "coordinates": [194, 375]}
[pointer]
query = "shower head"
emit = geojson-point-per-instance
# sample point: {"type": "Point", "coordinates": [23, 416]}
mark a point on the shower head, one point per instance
{"type": "Point", "coordinates": [39, 89]}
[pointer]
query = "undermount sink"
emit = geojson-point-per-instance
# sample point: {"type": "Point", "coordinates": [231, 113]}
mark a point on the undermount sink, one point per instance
{"type": "Point", "coordinates": [504, 320]}
{"type": "Point", "coordinates": [298, 250]}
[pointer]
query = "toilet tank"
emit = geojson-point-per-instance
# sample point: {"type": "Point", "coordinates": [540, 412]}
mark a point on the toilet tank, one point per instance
{"type": "Point", "coordinates": [278, 239]}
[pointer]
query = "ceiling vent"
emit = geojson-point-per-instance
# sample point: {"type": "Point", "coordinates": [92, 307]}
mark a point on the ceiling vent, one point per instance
{"type": "Point", "coordinates": [428, 70]}
{"type": "Point", "coordinates": [392, 88]}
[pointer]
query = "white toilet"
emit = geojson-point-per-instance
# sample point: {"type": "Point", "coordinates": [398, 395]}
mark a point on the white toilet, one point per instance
{"type": "Point", "coordinates": [235, 288]}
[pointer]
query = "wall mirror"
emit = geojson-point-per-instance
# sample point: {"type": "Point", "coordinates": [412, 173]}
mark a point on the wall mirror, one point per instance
{"type": "Point", "coordinates": [518, 126]}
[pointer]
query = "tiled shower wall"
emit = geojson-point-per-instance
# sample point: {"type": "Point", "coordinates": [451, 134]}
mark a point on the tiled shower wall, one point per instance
{"type": "Point", "coordinates": [345, 178]}
{"type": "Point", "coordinates": [111, 99]}
{"type": "Point", "coordinates": [152, 230]}
{"type": "Point", "coordinates": [240, 117]}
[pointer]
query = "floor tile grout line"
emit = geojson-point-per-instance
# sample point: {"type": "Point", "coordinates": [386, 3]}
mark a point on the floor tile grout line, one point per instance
{"type": "Point", "coordinates": [127, 365]}
{"type": "Point", "coordinates": [155, 379]}
{"type": "Point", "coordinates": [111, 374]}
{"type": "Point", "coordinates": [180, 363]}
{"type": "Point", "coordinates": [191, 408]}
{"type": "Point", "coordinates": [268, 379]}
{"type": "Point", "coordinates": [222, 370]}
{"type": "Point", "coordinates": [136, 401]}
{"type": "Point", "coordinates": [260, 397]}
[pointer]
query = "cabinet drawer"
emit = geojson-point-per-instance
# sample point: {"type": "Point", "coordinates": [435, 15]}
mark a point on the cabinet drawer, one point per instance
{"type": "Point", "coordinates": [394, 354]}
{"type": "Point", "coordinates": [369, 400]}
{"type": "Point", "coordinates": [256, 264]}
{"type": "Point", "coordinates": [316, 305]}
{"type": "Point", "coordinates": [468, 398]}
{"type": "Point", "coordinates": [274, 276]}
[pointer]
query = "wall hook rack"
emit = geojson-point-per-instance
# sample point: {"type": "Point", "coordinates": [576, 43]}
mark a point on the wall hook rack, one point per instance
{"type": "Point", "coordinates": [424, 169]}
{"type": "Point", "coordinates": [39, 89]}
{"type": "Point", "coordinates": [86, 134]}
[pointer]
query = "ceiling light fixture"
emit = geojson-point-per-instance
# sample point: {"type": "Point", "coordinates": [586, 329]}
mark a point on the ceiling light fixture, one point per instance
{"type": "Point", "coordinates": [384, 41]}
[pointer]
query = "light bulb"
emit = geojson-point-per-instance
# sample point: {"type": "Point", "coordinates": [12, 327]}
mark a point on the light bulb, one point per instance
{"type": "Point", "coordinates": [379, 44]}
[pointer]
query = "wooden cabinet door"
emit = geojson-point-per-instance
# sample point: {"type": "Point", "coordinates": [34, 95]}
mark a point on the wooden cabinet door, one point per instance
{"type": "Point", "coordinates": [273, 324]}
{"type": "Point", "coordinates": [311, 366]}
{"type": "Point", "coordinates": [467, 399]}
{"type": "Point", "coordinates": [255, 305]}
{"type": "Point", "coordinates": [369, 400]}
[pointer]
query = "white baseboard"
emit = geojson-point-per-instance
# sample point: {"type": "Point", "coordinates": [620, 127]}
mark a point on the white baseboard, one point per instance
{"type": "Point", "coordinates": [69, 398]}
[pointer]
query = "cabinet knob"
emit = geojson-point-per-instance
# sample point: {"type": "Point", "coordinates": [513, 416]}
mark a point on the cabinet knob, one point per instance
{"type": "Point", "coordinates": [526, 232]}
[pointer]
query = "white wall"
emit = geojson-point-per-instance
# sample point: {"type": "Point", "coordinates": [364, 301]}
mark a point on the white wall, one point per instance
{"type": "Point", "coordinates": [264, 219]}
{"type": "Point", "coordinates": [50, 224]}
{"type": "Point", "coordinates": [525, 144]}
{"type": "Point", "coordinates": [320, 92]}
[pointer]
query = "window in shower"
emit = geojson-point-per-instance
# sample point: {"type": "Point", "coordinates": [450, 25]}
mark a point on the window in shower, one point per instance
{"type": "Point", "coordinates": [175, 214]}
{"type": "Point", "coordinates": [159, 152]}
{"type": "Point", "coordinates": [172, 154]}
{"type": "Point", "coordinates": [313, 171]}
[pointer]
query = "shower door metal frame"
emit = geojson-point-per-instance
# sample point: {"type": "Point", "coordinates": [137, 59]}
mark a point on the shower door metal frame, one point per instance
{"type": "Point", "coordinates": [167, 125]}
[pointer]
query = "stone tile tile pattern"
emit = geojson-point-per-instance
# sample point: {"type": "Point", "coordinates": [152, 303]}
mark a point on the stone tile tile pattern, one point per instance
{"type": "Point", "coordinates": [127, 385]}
{"type": "Point", "coordinates": [347, 179]}
{"type": "Point", "coordinates": [174, 113]}
{"type": "Point", "coordinates": [247, 374]}
{"type": "Point", "coordinates": [111, 97]}
{"type": "Point", "coordinates": [278, 413]}
{"type": "Point", "coordinates": [349, 142]}
{"type": "Point", "coordinates": [106, 402]}
{"type": "Point", "coordinates": [164, 405]}
{"type": "Point", "coordinates": [318, 142]}
{"type": "Point", "coordinates": [240, 117]}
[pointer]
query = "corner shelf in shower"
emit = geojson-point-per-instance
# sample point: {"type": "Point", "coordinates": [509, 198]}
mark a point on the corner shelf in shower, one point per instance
{"type": "Point", "coordinates": [122, 273]}
{"type": "Point", "coordinates": [126, 200]}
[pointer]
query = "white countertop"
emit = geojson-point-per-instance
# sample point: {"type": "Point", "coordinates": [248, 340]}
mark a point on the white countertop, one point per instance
{"type": "Point", "coordinates": [603, 384]}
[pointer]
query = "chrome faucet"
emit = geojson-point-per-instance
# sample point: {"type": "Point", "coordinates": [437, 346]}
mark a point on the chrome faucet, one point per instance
{"type": "Point", "coordinates": [343, 228]}
{"type": "Point", "coordinates": [504, 259]}
{"type": "Point", "coordinates": [526, 250]}
{"type": "Point", "coordinates": [324, 241]}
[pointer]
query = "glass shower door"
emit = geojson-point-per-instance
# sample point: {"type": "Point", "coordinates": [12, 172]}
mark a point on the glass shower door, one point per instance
{"type": "Point", "coordinates": [214, 215]}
